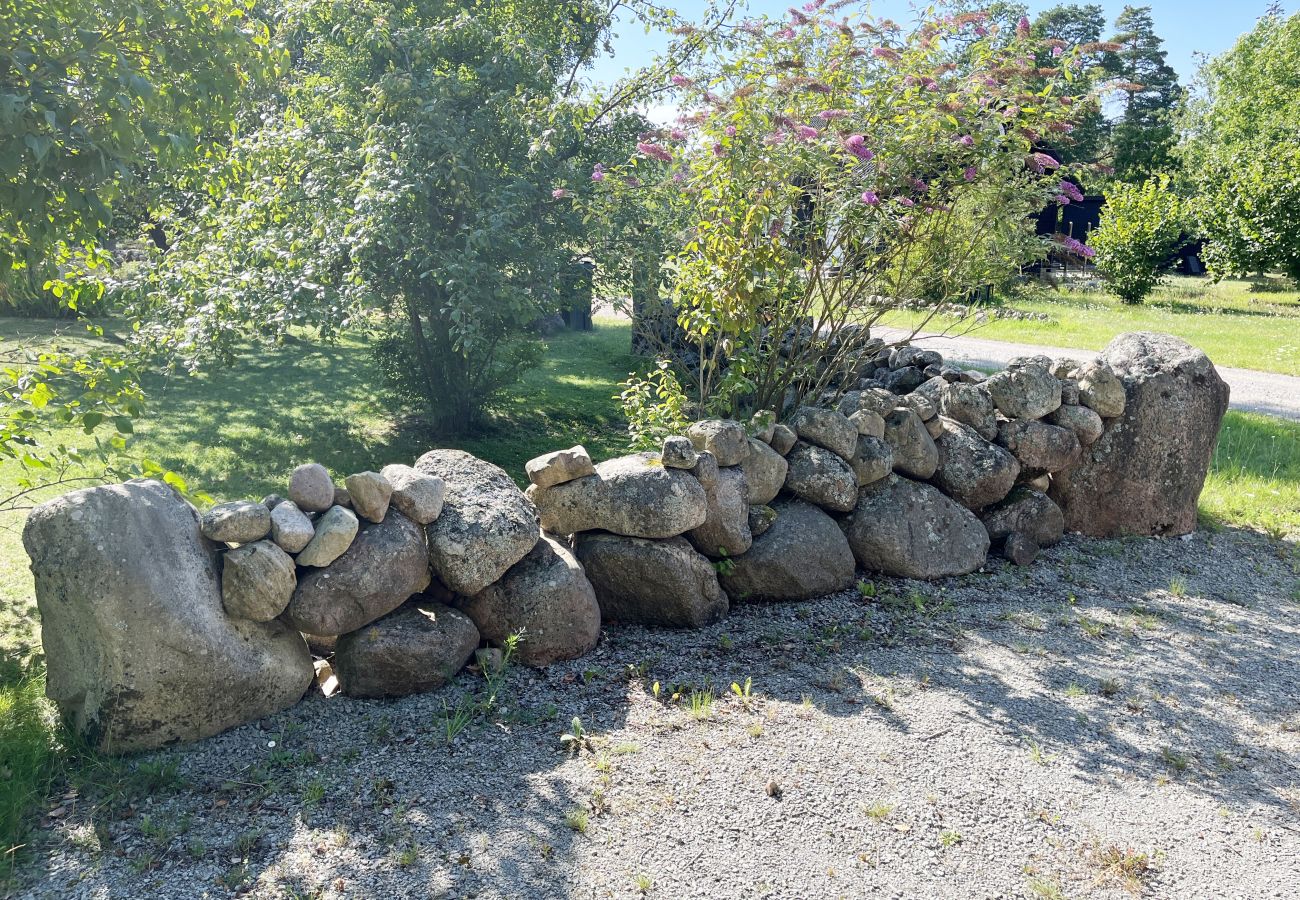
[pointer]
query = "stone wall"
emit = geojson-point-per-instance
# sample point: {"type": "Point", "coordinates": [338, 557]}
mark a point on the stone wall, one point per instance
{"type": "Point", "coordinates": [161, 625]}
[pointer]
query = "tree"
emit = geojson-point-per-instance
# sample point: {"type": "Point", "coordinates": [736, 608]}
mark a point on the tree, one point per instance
{"type": "Point", "coordinates": [1143, 139]}
{"type": "Point", "coordinates": [834, 170]}
{"type": "Point", "coordinates": [1242, 152]}
{"type": "Point", "coordinates": [1140, 227]}
{"type": "Point", "coordinates": [91, 95]}
{"type": "Point", "coordinates": [1075, 25]}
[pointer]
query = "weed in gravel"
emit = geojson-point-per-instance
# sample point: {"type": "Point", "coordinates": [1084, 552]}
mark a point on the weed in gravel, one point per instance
{"type": "Point", "coordinates": [643, 882]}
{"type": "Point", "coordinates": [1091, 627]}
{"type": "Point", "coordinates": [1178, 762]}
{"type": "Point", "coordinates": [1038, 756]}
{"type": "Point", "coordinates": [599, 803]}
{"type": "Point", "coordinates": [1073, 689]}
{"type": "Point", "coordinates": [1109, 687]}
{"type": "Point", "coordinates": [1178, 586]}
{"type": "Point", "coordinates": [744, 693]}
{"type": "Point", "coordinates": [701, 704]}
{"type": "Point", "coordinates": [1047, 888]}
{"type": "Point", "coordinates": [878, 811]}
{"type": "Point", "coordinates": [1124, 865]}
{"type": "Point", "coordinates": [145, 861]}
{"type": "Point", "coordinates": [196, 849]}
{"type": "Point", "coordinates": [313, 792]}
{"type": "Point", "coordinates": [625, 748]}
{"type": "Point", "coordinates": [577, 820]}
{"type": "Point", "coordinates": [756, 730]}
{"type": "Point", "coordinates": [949, 838]}
{"type": "Point", "coordinates": [866, 589]}
{"type": "Point", "coordinates": [575, 740]}
{"type": "Point", "coordinates": [726, 643]}
{"type": "Point", "coordinates": [245, 842]}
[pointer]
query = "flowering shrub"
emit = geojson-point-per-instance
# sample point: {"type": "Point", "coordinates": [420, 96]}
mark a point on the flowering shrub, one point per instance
{"type": "Point", "coordinates": [832, 166]}
{"type": "Point", "coordinates": [1140, 227]}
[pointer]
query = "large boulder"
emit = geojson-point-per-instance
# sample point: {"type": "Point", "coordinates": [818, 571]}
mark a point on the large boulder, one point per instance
{"type": "Point", "coordinates": [803, 554]}
{"type": "Point", "coordinates": [139, 651]}
{"type": "Point", "coordinates": [724, 438]}
{"type": "Point", "coordinates": [633, 495]}
{"type": "Point", "coordinates": [1027, 512]}
{"type": "Point", "coordinates": [972, 471]}
{"type": "Point", "coordinates": [725, 531]}
{"type": "Point", "coordinates": [826, 428]}
{"type": "Point", "coordinates": [1027, 390]}
{"type": "Point", "coordinates": [650, 582]}
{"type": "Point", "coordinates": [257, 581]}
{"type": "Point", "coordinates": [765, 472]}
{"type": "Point", "coordinates": [548, 598]}
{"type": "Point", "coordinates": [912, 530]}
{"type": "Point", "coordinates": [386, 564]}
{"type": "Point", "coordinates": [971, 405]}
{"type": "Point", "coordinates": [914, 451]}
{"type": "Point", "coordinates": [419, 647]}
{"type": "Point", "coordinates": [486, 524]}
{"type": "Point", "coordinates": [820, 476]}
{"type": "Point", "coordinates": [1039, 446]}
{"type": "Point", "coordinates": [1145, 473]}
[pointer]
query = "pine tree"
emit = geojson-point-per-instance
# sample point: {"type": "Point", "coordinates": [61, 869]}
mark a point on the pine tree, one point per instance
{"type": "Point", "coordinates": [1143, 138]}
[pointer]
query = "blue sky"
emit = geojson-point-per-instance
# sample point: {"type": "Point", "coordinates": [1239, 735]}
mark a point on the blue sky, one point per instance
{"type": "Point", "coordinates": [1187, 26]}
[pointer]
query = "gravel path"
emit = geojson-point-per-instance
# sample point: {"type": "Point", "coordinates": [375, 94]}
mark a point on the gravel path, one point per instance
{"type": "Point", "coordinates": [1252, 391]}
{"type": "Point", "coordinates": [1120, 717]}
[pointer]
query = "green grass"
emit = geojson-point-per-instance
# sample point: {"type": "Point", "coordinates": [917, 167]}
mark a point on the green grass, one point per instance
{"type": "Point", "coordinates": [1254, 478]}
{"type": "Point", "coordinates": [28, 761]}
{"type": "Point", "coordinates": [1249, 325]}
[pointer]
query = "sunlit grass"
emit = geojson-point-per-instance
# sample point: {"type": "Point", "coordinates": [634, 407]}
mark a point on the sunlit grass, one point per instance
{"type": "Point", "coordinates": [1254, 478]}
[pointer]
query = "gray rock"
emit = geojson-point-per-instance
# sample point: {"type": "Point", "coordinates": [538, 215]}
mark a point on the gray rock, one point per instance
{"type": "Point", "coordinates": [1064, 368]}
{"type": "Point", "coordinates": [237, 522]}
{"type": "Point", "coordinates": [257, 581]}
{"type": "Point", "coordinates": [908, 355]}
{"type": "Point", "coordinates": [385, 566]}
{"type": "Point", "coordinates": [725, 531]}
{"type": "Point", "coordinates": [1039, 446]}
{"type": "Point", "coordinates": [705, 469]}
{"type": "Point", "coordinates": [417, 648]}
{"type": "Point", "coordinates": [139, 652]}
{"type": "Point", "coordinates": [639, 581]}
{"type": "Point", "coordinates": [1084, 422]}
{"type": "Point", "coordinates": [334, 533]}
{"type": "Point", "coordinates": [762, 425]}
{"type": "Point", "coordinates": [290, 527]}
{"type": "Point", "coordinates": [934, 428]}
{"type": "Point", "coordinates": [914, 450]}
{"type": "Point", "coordinates": [820, 476]}
{"type": "Point", "coordinates": [930, 390]}
{"type": "Point", "coordinates": [342, 497]}
{"type": "Point", "coordinates": [911, 530]}
{"type": "Point", "coordinates": [902, 381]}
{"type": "Point", "coordinates": [1027, 391]}
{"type": "Point", "coordinates": [630, 495]}
{"type": "Point", "coordinates": [783, 438]}
{"type": "Point", "coordinates": [826, 428]}
{"type": "Point", "coordinates": [1069, 392]}
{"type": "Point", "coordinates": [1019, 549]}
{"type": "Point", "coordinates": [765, 472]}
{"type": "Point", "coordinates": [370, 493]}
{"type": "Point", "coordinates": [724, 438]}
{"type": "Point", "coordinates": [1145, 473]}
{"type": "Point", "coordinates": [1027, 512]}
{"type": "Point", "coordinates": [872, 460]}
{"type": "Point", "coordinates": [548, 598]}
{"type": "Point", "coordinates": [559, 466]}
{"type": "Point", "coordinates": [919, 405]}
{"type": "Point", "coordinates": [971, 405]}
{"type": "Point", "coordinates": [416, 495]}
{"type": "Point", "coordinates": [972, 471]}
{"type": "Point", "coordinates": [760, 519]}
{"type": "Point", "coordinates": [486, 525]}
{"type": "Point", "coordinates": [271, 501]}
{"type": "Point", "coordinates": [1100, 389]}
{"type": "Point", "coordinates": [311, 487]}
{"type": "Point", "coordinates": [679, 453]}
{"type": "Point", "coordinates": [868, 423]}
{"type": "Point", "coordinates": [802, 555]}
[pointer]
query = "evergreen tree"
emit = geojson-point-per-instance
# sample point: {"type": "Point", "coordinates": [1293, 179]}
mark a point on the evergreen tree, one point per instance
{"type": "Point", "coordinates": [1143, 138]}
{"type": "Point", "coordinates": [1078, 25]}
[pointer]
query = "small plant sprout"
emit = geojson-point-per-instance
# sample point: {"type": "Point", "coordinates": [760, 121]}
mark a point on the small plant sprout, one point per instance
{"type": "Point", "coordinates": [643, 883]}
{"type": "Point", "coordinates": [1178, 586]}
{"type": "Point", "coordinates": [878, 811]}
{"type": "Point", "coordinates": [866, 589]}
{"type": "Point", "coordinates": [575, 739]}
{"type": "Point", "coordinates": [949, 838]}
{"type": "Point", "coordinates": [701, 704]}
{"type": "Point", "coordinates": [745, 693]}
{"type": "Point", "coordinates": [577, 819]}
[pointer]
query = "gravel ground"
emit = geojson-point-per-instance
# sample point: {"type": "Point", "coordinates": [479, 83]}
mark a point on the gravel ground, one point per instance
{"type": "Point", "coordinates": [1121, 718]}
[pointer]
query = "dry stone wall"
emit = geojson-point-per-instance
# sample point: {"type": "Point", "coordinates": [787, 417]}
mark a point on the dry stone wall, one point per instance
{"type": "Point", "coordinates": [161, 625]}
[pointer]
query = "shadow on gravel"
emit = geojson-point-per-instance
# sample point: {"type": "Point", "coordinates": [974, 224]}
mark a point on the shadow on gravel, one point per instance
{"type": "Point", "coordinates": [1130, 660]}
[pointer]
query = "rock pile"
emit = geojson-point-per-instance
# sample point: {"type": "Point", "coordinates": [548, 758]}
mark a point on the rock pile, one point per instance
{"type": "Point", "coordinates": [163, 625]}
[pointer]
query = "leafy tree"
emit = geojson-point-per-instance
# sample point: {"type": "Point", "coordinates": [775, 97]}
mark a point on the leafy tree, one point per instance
{"type": "Point", "coordinates": [1140, 227]}
{"type": "Point", "coordinates": [1075, 25]}
{"type": "Point", "coordinates": [92, 94]}
{"type": "Point", "coordinates": [1242, 152]}
{"type": "Point", "coordinates": [832, 170]}
{"type": "Point", "coordinates": [414, 175]}
{"type": "Point", "coordinates": [1143, 139]}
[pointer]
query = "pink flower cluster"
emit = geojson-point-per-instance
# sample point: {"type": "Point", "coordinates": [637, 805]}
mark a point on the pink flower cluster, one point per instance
{"type": "Point", "coordinates": [654, 151]}
{"type": "Point", "coordinates": [1075, 246]}
{"type": "Point", "coordinates": [857, 145]}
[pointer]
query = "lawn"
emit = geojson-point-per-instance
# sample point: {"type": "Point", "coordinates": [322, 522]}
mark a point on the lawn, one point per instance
{"type": "Point", "coordinates": [1243, 324]}
{"type": "Point", "coordinates": [238, 430]}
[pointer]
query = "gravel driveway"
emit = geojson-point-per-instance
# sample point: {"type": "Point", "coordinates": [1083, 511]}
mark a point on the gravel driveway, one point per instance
{"type": "Point", "coordinates": [1252, 391]}
{"type": "Point", "coordinates": [1121, 718]}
